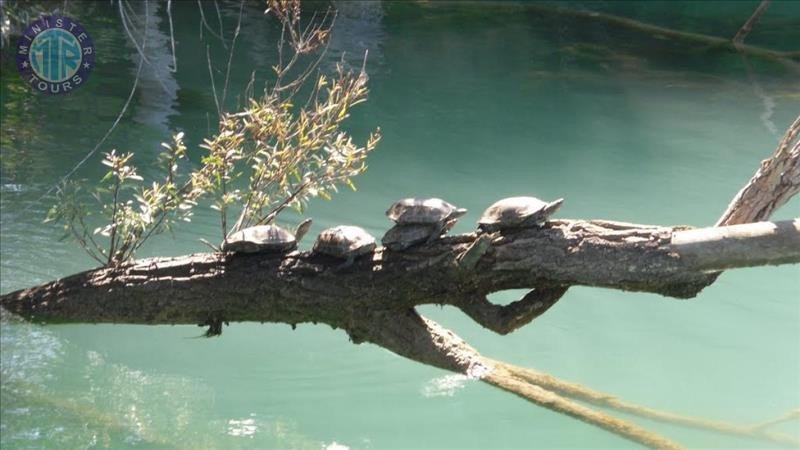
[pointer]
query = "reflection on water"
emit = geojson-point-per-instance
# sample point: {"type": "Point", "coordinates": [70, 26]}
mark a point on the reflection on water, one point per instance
{"type": "Point", "coordinates": [476, 102]}
{"type": "Point", "coordinates": [157, 87]}
{"type": "Point", "coordinates": [242, 427]}
{"type": "Point", "coordinates": [444, 386]}
{"type": "Point", "coordinates": [96, 403]}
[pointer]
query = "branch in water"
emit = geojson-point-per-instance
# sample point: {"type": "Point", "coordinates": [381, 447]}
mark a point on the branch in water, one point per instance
{"type": "Point", "coordinates": [747, 27]}
{"type": "Point", "coordinates": [420, 339]}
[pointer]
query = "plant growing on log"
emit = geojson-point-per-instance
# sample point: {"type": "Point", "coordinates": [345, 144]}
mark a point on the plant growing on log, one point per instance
{"type": "Point", "coordinates": [287, 155]}
{"type": "Point", "coordinates": [132, 212]}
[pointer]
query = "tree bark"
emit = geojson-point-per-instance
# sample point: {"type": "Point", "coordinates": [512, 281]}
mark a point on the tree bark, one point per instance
{"type": "Point", "coordinates": [305, 287]}
{"type": "Point", "coordinates": [774, 183]}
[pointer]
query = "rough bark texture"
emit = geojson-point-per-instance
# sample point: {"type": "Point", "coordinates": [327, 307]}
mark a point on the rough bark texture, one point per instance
{"type": "Point", "coordinates": [774, 183]}
{"type": "Point", "coordinates": [305, 287]}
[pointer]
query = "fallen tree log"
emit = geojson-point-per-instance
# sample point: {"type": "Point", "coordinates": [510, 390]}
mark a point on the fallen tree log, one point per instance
{"type": "Point", "coordinates": [305, 287]}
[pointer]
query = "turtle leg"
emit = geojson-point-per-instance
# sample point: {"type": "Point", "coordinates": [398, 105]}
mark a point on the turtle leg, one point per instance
{"type": "Point", "coordinates": [347, 264]}
{"type": "Point", "coordinates": [505, 319]}
{"type": "Point", "coordinates": [437, 232]}
{"type": "Point", "coordinates": [214, 327]}
{"type": "Point", "coordinates": [469, 259]}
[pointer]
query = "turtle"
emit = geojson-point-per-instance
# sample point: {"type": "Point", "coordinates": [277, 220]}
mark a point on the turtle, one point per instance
{"type": "Point", "coordinates": [344, 242]}
{"type": "Point", "coordinates": [431, 211]}
{"type": "Point", "coordinates": [402, 236]}
{"type": "Point", "coordinates": [265, 239]}
{"type": "Point", "coordinates": [517, 212]}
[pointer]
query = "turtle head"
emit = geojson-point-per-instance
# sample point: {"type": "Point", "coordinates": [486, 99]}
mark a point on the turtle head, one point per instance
{"type": "Point", "coordinates": [302, 229]}
{"type": "Point", "coordinates": [553, 206]}
{"type": "Point", "coordinates": [457, 213]}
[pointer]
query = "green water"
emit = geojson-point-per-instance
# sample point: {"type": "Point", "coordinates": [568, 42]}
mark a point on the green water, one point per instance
{"type": "Point", "coordinates": [476, 102]}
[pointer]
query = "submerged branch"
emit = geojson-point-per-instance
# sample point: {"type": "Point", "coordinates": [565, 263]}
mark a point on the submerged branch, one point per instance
{"type": "Point", "coordinates": [751, 22]}
{"type": "Point", "coordinates": [417, 338]}
{"type": "Point", "coordinates": [579, 392]}
{"type": "Point", "coordinates": [704, 40]}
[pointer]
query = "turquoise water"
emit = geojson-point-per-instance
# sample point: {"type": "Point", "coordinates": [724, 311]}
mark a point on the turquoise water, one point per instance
{"type": "Point", "coordinates": [476, 102]}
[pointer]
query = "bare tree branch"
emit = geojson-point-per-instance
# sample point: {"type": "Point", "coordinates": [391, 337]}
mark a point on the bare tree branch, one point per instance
{"type": "Point", "coordinates": [774, 183]}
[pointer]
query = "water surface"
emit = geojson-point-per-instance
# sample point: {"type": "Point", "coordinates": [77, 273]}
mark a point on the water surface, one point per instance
{"type": "Point", "coordinates": [476, 101]}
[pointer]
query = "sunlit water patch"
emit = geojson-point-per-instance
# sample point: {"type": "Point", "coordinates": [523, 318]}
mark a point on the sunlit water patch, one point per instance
{"type": "Point", "coordinates": [444, 386]}
{"type": "Point", "coordinates": [97, 403]}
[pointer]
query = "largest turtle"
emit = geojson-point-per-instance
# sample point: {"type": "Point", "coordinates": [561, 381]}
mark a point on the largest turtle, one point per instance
{"type": "Point", "coordinates": [420, 220]}
{"type": "Point", "coordinates": [423, 210]}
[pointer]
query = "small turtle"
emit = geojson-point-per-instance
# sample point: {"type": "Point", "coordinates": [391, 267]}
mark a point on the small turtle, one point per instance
{"type": "Point", "coordinates": [403, 236]}
{"type": "Point", "coordinates": [432, 211]}
{"type": "Point", "coordinates": [517, 212]}
{"type": "Point", "coordinates": [265, 239]}
{"type": "Point", "coordinates": [345, 242]}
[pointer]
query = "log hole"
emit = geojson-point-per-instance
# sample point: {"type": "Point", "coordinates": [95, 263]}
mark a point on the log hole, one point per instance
{"type": "Point", "coordinates": [506, 296]}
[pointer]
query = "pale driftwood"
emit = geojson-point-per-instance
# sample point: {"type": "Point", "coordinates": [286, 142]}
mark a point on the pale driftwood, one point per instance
{"type": "Point", "coordinates": [753, 244]}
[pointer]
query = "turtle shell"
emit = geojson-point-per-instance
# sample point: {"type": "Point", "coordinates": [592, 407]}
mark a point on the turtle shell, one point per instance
{"type": "Point", "coordinates": [517, 212]}
{"type": "Point", "coordinates": [403, 236]}
{"type": "Point", "coordinates": [260, 238]}
{"type": "Point", "coordinates": [423, 210]}
{"type": "Point", "coordinates": [344, 241]}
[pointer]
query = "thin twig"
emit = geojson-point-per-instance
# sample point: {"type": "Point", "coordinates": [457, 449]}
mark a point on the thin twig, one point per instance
{"type": "Point", "coordinates": [102, 140]}
{"type": "Point", "coordinates": [213, 83]}
{"type": "Point", "coordinates": [282, 205]}
{"type": "Point", "coordinates": [112, 245]}
{"type": "Point", "coordinates": [219, 18]}
{"type": "Point", "coordinates": [205, 25]}
{"type": "Point", "coordinates": [751, 22]}
{"type": "Point", "coordinates": [130, 34]}
{"type": "Point", "coordinates": [172, 37]}
{"type": "Point", "coordinates": [230, 55]}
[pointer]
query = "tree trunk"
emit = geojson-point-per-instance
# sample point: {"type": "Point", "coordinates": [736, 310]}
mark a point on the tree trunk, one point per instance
{"type": "Point", "coordinates": [304, 287]}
